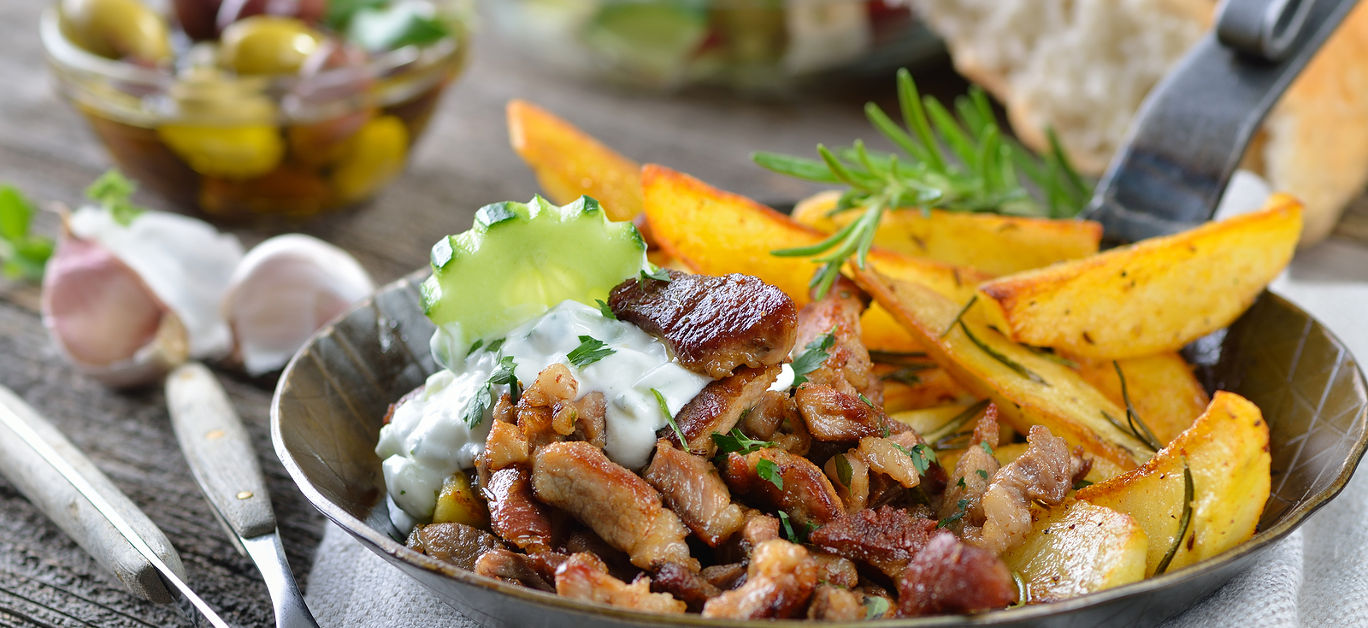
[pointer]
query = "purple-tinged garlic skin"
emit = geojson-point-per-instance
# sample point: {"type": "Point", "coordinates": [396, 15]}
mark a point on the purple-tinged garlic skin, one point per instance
{"type": "Point", "coordinates": [283, 291]}
{"type": "Point", "coordinates": [125, 304]}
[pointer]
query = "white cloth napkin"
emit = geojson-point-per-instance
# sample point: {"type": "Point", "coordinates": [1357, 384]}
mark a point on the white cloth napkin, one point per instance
{"type": "Point", "coordinates": [1314, 577]}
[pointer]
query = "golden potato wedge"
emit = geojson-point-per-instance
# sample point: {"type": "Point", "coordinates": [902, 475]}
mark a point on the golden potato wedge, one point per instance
{"type": "Point", "coordinates": [1028, 387]}
{"type": "Point", "coordinates": [1152, 296]}
{"type": "Point", "coordinates": [458, 502]}
{"type": "Point", "coordinates": [934, 387]}
{"type": "Point", "coordinates": [568, 162]}
{"type": "Point", "coordinates": [993, 243]}
{"type": "Point", "coordinates": [1226, 450]}
{"type": "Point", "coordinates": [1162, 389]}
{"type": "Point", "coordinates": [1078, 548]}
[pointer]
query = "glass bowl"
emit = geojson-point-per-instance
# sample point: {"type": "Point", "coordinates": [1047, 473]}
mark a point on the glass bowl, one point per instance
{"type": "Point", "coordinates": [757, 47]}
{"type": "Point", "coordinates": [246, 147]}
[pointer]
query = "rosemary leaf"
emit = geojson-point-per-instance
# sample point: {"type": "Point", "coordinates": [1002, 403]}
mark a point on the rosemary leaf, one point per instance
{"type": "Point", "coordinates": [1183, 523]}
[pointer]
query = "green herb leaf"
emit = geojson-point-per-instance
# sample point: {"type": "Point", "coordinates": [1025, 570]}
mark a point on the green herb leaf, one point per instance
{"type": "Point", "coordinates": [981, 171]}
{"type": "Point", "coordinates": [769, 471]}
{"type": "Point", "coordinates": [959, 316]}
{"type": "Point", "coordinates": [907, 374]}
{"type": "Point", "coordinates": [1000, 357]}
{"type": "Point", "coordinates": [961, 483]}
{"type": "Point", "coordinates": [589, 351]}
{"type": "Point", "coordinates": [503, 374]}
{"type": "Point", "coordinates": [738, 442]}
{"type": "Point", "coordinates": [875, 606]}
{"type": "Point", "coordinates": [669, 418]}
{"type": "Point", "coordinates": [653, 272]}
{"type": "Point", "coordinates": [983, 473]}
{"type": "Point", "coordinates": [986, 447]}
{"type": "Point", "coordinates": [1081, 484]}
{"type": "Point", "coordinates": [1137, 426]}
{"type": "Point", "coordinates": [813, 356]}
{"type": "Point", "coordinates": [495, 345]}
{"type": "Point", "coordinates": [479, 404]}
{"type": "Point", "coordinates": [22, 255]}
{"type": "Point", "coordinates": [605, 310]}
{"type": "Point", "coordinates": [789, 533]}
{"type": "Point", "coordinates": [339, 13]}
{"type": "Point", "coordinates": [475, 346]}
{"type": "Point", "coordinates": [114, 192]}
{"type": "Point", "coordinates": [955, 516]}
{"type": "Point", "coordinates": [865, 399]}
{"type": "Point", "coordinates": [956, 422]}
{"type": "Point", "coordinates": [922, 457]}
{"type": "Point", "coordinates": [843, 470]}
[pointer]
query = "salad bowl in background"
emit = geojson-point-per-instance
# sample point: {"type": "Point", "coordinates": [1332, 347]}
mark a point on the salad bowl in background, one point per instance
{"type": "Point", "coordinates": [757, 47]}
{"type": "Point", "coordinates": [331, 400]}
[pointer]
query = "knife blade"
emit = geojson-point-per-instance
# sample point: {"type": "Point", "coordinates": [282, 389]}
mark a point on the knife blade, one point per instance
{"type": "Point", "coordinates": [62, 482]}
{"type": "Point", "coordinates": [224, 464]}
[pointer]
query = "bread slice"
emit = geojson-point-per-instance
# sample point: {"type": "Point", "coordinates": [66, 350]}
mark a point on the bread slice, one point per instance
{"type": "Point", "coordinates": [1082, 67]}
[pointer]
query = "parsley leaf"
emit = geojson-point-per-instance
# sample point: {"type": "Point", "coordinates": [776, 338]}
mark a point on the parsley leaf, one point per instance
{"type": "Point", "coordinates": [787, 525]}
{"type": "Point", "coordinates": [922, 457]}
{"type": "Point", "coordinates": [769, 472]}
{"type": "Point", "coordinates": [669, 418]}
{"type": "Point", "coordinates": [983, 473]}
{"type": "Point", "coordinates": [813, 356]}
{"type": "Point", "coordinates": [588, 352]}
{"type": "Point", "coordinates": [114, 192]}
{"type": "Point", "coordinates": [475, 346]}
{"type": "Point", "coordinates": [875, 606]}
{"type": "Point", "coordinates": [495, 345]}
{"type": "Point", "coordinates": [986, 447]}
{"type": "Point", "coordinates": [956, 516]}
{"type": "Point", "coordinates": [658, 274]}
{"type": "Point", "coordinates": [865, 399]}
{"type": "Point", "coordinates": [605, 310]}
{"type": "Point", "coordinates": [480, 403]}
{"type": "Point", "coordinates": [738, 442]}
{"type": "Point", "coordinates": [22, 255]}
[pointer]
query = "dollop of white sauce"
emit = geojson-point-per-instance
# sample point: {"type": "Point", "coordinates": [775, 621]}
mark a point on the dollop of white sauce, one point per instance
{"type": "Point", "coordinates": [427, 440]}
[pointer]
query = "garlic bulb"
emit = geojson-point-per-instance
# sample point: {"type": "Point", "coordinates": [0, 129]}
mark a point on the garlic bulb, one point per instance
{"type": "Point", "coordinates": [125, 303]}
{"type": "Point", "coordinates": [283, 291]}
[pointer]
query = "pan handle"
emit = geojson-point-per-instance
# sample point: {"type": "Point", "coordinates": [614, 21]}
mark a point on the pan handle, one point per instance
{"type": "Point", "coordinates": [1193, 128]}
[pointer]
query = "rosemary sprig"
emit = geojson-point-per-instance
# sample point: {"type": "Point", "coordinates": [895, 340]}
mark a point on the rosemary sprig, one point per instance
{"type": "Point", "coordinates": [1183, 523]}
{"type": "Point", "coordinates": [1015, 366]}
{"type": "Point", "coordinates": [956, 422]}
{"type": "Point", "coordinates": [959, 161]}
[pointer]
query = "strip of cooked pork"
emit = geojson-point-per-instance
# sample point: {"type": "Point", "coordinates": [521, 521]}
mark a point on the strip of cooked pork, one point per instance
{"type": "Point", "coordinates": [713, 324]}
{"type": "Point", "coordinates": [719, 406]}
{"type": "Point", "coordinates": [779, 581]}
{"type": "Point", "coordinates": [584, 577]}
{"type": "Point", "coordinates": [695, 492]}
{"type": "Point", "coordinates": [834, 416]}
{"type": "Point", "coordinates": [886, 539]}
{"type": "Point", "coordinates": [784, 481]}
{"type": "Point", "coordinates": [948, 576]}
{"type": "Point", "coordinates": [847, 367]}
{"type": "Point", "coordinates": [615, 503]}
{"type": "Point", "coordinates": [513, 512]}
{"type": "Point", "coordinates": [1044, 473]}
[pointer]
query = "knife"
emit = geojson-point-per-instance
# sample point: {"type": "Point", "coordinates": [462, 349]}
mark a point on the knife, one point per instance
{"type": "Point", "coordinates": [57, 478]}
{"type": "Point", "coordinates": [225, 466]}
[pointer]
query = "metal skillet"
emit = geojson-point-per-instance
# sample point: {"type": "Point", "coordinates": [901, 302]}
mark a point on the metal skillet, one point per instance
{"type": "Point", "coordinates": [331, 399]}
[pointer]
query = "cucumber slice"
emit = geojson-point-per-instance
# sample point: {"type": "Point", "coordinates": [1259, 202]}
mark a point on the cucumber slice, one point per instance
{"type": "Point", "coordinates": [519, 260]}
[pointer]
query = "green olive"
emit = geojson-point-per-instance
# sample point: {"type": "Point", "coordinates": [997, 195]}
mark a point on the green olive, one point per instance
{"type": "Point", "coordinates": [376, 156]}
{"type": "Point", "coordinates": [223, 127]}
{"type": "Point", "coordinates": [267, 44]}
{"type": "Point", "coordinates": [118, 29]}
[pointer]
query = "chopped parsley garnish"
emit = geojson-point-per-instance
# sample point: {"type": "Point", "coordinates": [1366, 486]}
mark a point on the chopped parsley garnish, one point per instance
{"type": "Point", "coordinates": [843, 470]}
{"type": "Point", "coordinates": [983, 473]}
{"type": "Point", "coordinates": [589, 351]}
{"type": "Point", "coordinates": [114, 192]}
{"type": "Point", "coordinates": [769, 472]}
{"type": "Point", "coordinates": [669, 418]}
{"type": "Point", "coordinates": [986, 447]}
{"type": "Point", "coordinates": [605, 310]}
{"type": "Point", "coordinates": [495, 345]}
{"type": "Point", "coordinates": [478, 405]}
{"type": "Point", "coordinates": [739, 443]}
{"type": "Point", "coordinates": [813, 356]}
{"type": "Point", "coordinates": [658, 274]}
{"type": "Point", "coordinates": [955, 516]}
{"type": "Point", "coordinates": [865, 400]}
{"type": "Point", "coordinates": [475, 346]}
{"type": "Point", "coordinates": [922, 457]}
{"type": "Point", "coordinates": [484, 396]}
{"type": "Point", "coordinates": [22, 254]}
{"type": "Point", "coordinates": [787, 525]}
{"type": "Point", "coordinates": [961, 484]}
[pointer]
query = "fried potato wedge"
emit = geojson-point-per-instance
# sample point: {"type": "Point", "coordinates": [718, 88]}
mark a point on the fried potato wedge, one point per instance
{"type": "Point", "coordinates": [1162, 389]}
{"type": "Point", "coordinates": [715, 232]}
{"type": "Point", "coordinates": [932, 387]}
{"type": "Point", "coordinates": [993, 243]}
{"type": "Point", "coordinates": [1028, 388]}
{"type": "Point", "coordinates": [569, 162]}
{"type": "Point", "coordinates": [1226, 450]}
{"type": "Point", "coordinates": [1153, 296]}
{"type": "Point", "coordinates": [1078, 548]}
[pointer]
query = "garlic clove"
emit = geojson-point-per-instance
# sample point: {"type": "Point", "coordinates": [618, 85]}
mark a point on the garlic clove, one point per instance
{"type": "Point", "coordinates": [283, 291]}
{"type": "Point", "coordinates": [186, 263]}
{"type": "Point", "coordinates": [105, 319]}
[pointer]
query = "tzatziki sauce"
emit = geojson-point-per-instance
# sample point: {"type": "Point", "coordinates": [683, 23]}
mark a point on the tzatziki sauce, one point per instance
{"type": "Point", "coordinates": [427, 438]}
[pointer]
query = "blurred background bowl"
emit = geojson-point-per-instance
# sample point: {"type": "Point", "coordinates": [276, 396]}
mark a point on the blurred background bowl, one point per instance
{"type": "Point", "coordinates": [755, 47]}
{"type": "Point", "coordinates": [238, 145]}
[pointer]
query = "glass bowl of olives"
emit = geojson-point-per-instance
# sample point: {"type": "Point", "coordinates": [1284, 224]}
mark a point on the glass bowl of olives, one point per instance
{"type": "Point", "coordinates": [257, 108]}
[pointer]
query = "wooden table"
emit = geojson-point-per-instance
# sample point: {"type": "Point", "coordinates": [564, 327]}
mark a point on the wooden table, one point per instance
{"type": "Point", "coordinates": [463, 163]}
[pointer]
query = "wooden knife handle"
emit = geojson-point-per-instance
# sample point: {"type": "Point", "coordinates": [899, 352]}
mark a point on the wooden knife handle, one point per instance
{"type": "Point", "coordinates": [219, 451]}
{"type": "Point", "coordinates": [44, 485]}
